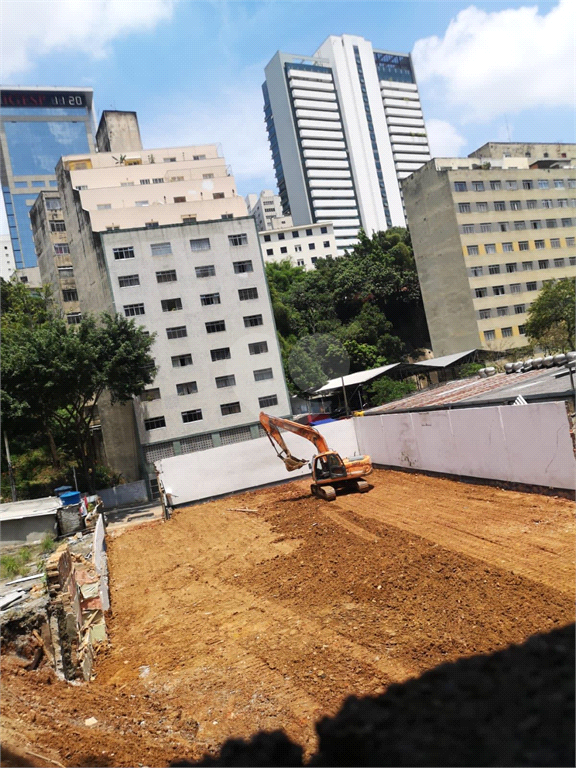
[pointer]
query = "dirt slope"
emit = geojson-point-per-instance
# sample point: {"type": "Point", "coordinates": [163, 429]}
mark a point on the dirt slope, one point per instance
{"type": "Point", "coordinates": [226, 622]}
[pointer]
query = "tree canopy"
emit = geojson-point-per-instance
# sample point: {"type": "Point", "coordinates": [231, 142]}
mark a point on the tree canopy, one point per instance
{"type": "Point", "coordinates": [551, 318]}
{"type": "Point", "coordinates": [369, 299]}
{"type": "Point", "coordinates": [53, 374]}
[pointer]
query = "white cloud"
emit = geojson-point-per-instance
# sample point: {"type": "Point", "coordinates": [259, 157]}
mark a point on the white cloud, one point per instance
{"type": "Point", "coordinates": [491, 64]}
{"type": "Point", "coordinates": [37, 27]}
{"type": "Point", "coordinates": [444, 139]}
{"type": "Point", "coordinates": [233, 117]}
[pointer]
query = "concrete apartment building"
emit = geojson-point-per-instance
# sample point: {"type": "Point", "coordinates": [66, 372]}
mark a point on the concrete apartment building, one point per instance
{"type": "Point", "coordinates": [488, 231]}
{"type": "Point", "coordinates": [37, 126]}
{"type": "Point", "coordinates": [345, 127]}
{"type": "Point", "coordinates": [160, 235]}
{"type": "Point", "coordinates": [53, 252]}
{"type": "Point", "coordinates": [302, 246]}
{"type": "Point", "coordinates": [264, 207]}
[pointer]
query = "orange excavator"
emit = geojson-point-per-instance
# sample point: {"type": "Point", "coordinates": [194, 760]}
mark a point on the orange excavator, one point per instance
{"type": "Point", "coordinates": [329, 470]}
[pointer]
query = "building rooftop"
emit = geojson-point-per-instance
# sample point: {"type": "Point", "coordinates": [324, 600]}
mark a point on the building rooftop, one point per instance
{"type": "Point", "coordinates": [16, 510]}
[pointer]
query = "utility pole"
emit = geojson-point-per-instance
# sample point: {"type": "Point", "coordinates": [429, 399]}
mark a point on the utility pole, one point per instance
{"type": "Point", "coordinates": [345, 398]}
{"type": "Point", "coordinates": [10, 470]}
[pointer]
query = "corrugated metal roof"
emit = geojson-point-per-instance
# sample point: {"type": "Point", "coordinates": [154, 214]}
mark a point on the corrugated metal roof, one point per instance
{"type": "Point", "coordinates": [443, 362]}
{"type": "Point", "coordinates": [16, 510]}
{"type": "Point", "coordinates": [356, 378]}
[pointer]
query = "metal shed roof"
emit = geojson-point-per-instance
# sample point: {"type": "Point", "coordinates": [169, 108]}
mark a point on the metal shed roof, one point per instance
{"type": "Point", "coordinates": [356, 378]}
{"type": "Point", "coordinates": [443, 362]}
{"type": "Point", "coordinates": [16, 510]}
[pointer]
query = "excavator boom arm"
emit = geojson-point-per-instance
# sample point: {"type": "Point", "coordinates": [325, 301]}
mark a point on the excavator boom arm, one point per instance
{"type": "Point", "coordinates": [272, 425]}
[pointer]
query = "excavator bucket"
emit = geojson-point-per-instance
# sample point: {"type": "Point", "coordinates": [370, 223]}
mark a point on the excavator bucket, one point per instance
{"type": "Point", "coordinates": [292, 463]}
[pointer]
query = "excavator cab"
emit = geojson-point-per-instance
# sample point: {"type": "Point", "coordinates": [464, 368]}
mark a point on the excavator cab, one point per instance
{"type": "Point", "coordinates": [329, 466]}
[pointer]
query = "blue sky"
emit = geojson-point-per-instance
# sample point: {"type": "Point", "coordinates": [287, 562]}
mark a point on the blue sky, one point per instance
{"type": "Point", "coordinates": [487, 71]}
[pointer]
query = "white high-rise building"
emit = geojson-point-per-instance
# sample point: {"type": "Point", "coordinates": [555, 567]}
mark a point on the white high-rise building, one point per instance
{"type": "Point", "coordinates": [345, 127]}
{"type": "Point", "coordinates": [7, 263]}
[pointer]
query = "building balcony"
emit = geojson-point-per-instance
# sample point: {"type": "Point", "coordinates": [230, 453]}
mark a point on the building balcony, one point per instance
{"type": "Point", "coordinates": [321, 125]}
{"type": "Point", "coordinates": [320, 144]}
{"type": "Point", "coordinates": [307, 133]}
{"type": "Point", "coordinates": [405, 112]}
{"type": "Point", "coordinates": [323, 99]}
{"type": "Point", "coordinates": [327, 154]}
{"type": "Point", "coordinates": [311, 85]}
{"type": "Point", "coordinates": [331, 193]}
{"type": "Point", "coordinates": [319, 163]}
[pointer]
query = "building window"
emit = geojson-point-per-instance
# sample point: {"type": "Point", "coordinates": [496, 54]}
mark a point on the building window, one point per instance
{"type": "Point", "coordinates": [298, 248]}
{"type": "Point", "coordinates": [161, 249]}
{"type": "Point", "coordinates": [500, 205]}
{"type": "Point", "coordinates": [489, 335]}
{"type": "Point", "coordinates": [551, 223]}
{"type": "Point", "coordinates": [511, 185]}
{"type": "Point", "coordinates": [515, 288]}
{"type": "Point", "coordinates": [262, 374]}
{"type": "Point", "coordinates": [53, 204]}
{"type": "Point", "coordinates": [494, 269]}
{"type": "Point", "coordinates": [527, 184]}
{"type": "Point", "coordinates": [151, 225]}
{"type": "Point", "coordinates": [131, 310]}
{"type": "Point", "coordinates": [539, 244]}
{"type": "Point", "coordinates": [180, 361]}
{"type": "Point", "coordinates": [225, 381]}
{"type": "Point", "coordinates": [566, 222]}
{"type": "Point", "coordinates": [536, 224]}
{"type": "Point", "coordinates": [123, 253]}
{"type": "Point", "coordinates": [506, 332]}
{"type": "Point", "coordinates": [480, 293]}
{"type": "Point", "coordinates": [477, 186]}
{"type": "Point", "coordinates": [572, 261]}
{"type": "Point", "coordinates": [558, 183]}
{"type": "Point", "coordinates": [498, 290]}
{"type": "Point", "coordinates": [227, 216]}
{"type": "Point", "coordinates": [572, 183]}
{"type": "Point", "coordinates": [166, 276]}
{"type": "Point", "coordinates": [555, 242]}
{"type": "Point", "coordinates": [156, 423]}
{"type": "Point", "coordinates": [147, 395]}
{"type": "Point", "coordinates": [227, 409]}
{"type": "Point", "coordinates": [128, 280]}
{"type": "Point", "coordinates": [503, 226]}
{"type": "Point", "coordinates": [485, 314]}
{"type": "Point", "coordinates": [281, 236]}
{"type": "Point", "coordinates": [300, 263]}
{"type": "Point", "coordinates": [309, 233]}
{"type": "Point", "coordinates": [171, 305]}
{"type": "Point", "coordinates": [569, 242]}
{"type": "Point", "coordinates": [490, 248]}
{"type": "Point", "coordinates": [558, 262]}
{"type": "Point", "coordinates": [199, 157]}
{"type": "Point", "coordinates": [519, 225]}
{"type": "Point", "coordinates": [314, 259]}
{"type": "Point", "coordinates": [144, 181]}
{"type": "Point", "coordinates": [207, 299]}
{"type": "Point", "coordinates": [515, 205]}
{"type": "Point", "coordinates": [547, 204]}
{"type": "Point", "coordinates": [57, 226]}
{"type": "Point", "coordinates": [311, 246]}
{"type": "Point", "coordinates": [207, 270]}
{"type": "Point", "coordinates": [507, 247]}
{"type": "Point", "coordinates": [195, 415]}
{"type": "Point", "coordinates": [187, 388]}
{"type": "Point", "coordinates": [250, 321]}
{"type": "Point", "coordinates": [236, 240]}
{"type": "Point", "coordinates": [323, 230]}
{"type": "Point", "coordinates": [245, 294]}
{"type": "Point", "coordinates": [200, 244]}
{"type": "Point", "coordinates": [562, 202]}
{"type": "Point", "coordinates": [511, 268]}
{"type": "Point", "coordinates": [468, 229]}
{"type": "Point", "coordinates": [532, 286]}
{"type": "Point", "coordinates": [141, 203]}
{"type": "Point", "coordinates": [519, 309]}
{"type": "Point", "coordinates": [74, 318]}
{"type": "Point", "coordinates": [543, 264]}
{"type": "Point", "coordinates": [220, 354]}
{"type": "Point", "coordinates": [178, 332]}
{"type": "Point", "coordinates": [501, 311]}
{"type": "Point", "coordinates": [267, 238]}
{"type": "Point", "coordinates": [472, 250]}
{"type": "Point", "coordinates": [527, 265]}
{"type": "Point", "coordinates": [531, 204]}
{"type": "Point", "coordinates": [158, 181]}
{"type": "Point", "coordinates": [105, 207]}
{"type": "Point", "coordinates": [481, 207]}
{"type": "Point", "coordinates": [326, 243]}
{"type": "Point", "coordinates": [486, 226]}
{"type": "Point", "coordinates": [464, 207]}
{"type": "Point", "coordinates": [243, 266]}
{"type": "Point", "coordinates": [543, 184]}
{"type": "Point", "coordinates": [268, 401]}
{"type": "Point", "coordinates": [495, 185]}
{"type": "Point", "coordinates": [476, 271]}
{"type": "Point", "coordinates": [523, 245]}
{"type": "Point", "coordinates": [522, 330]}
{"type": "Point", "coordinates": [460, 186]}
{"type": "Point", "coordinates": [270, 252]}
{"type": "Point", "coordinates": [207, 175]}
{"type": "Point", "coordinates": [61, 248]}
{"type": "Point", "coordinates": [215, 326]}
{"type": "Point", "coordinates": [259, 348]}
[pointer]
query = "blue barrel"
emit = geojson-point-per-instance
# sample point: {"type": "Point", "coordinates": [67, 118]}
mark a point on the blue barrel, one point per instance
{"type": "Point", "coordinates": [72, 497]}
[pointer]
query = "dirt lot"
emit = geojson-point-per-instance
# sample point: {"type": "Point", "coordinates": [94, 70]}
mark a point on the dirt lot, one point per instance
{"type": "Point", "coordinates": [226, 622]}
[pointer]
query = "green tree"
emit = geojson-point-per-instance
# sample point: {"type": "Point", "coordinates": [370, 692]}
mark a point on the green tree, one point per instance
{"type": "Point", "coordinates": [385, 390]}
{"type": "Point", "coordinates": [54, 374]}
{"type": "Point", "coordinates": [551, 318]}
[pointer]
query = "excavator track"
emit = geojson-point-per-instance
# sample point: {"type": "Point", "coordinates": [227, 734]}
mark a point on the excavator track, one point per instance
{"type": "Point", "coordinates": [326, 492]}
{"type": "Point", "coordinates": [362, 485]}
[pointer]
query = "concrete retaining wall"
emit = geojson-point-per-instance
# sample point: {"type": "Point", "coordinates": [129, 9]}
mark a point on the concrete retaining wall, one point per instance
{"type": "Point", "coordinates": [27, 530]}
{"type": "Point", "coordinates": [100, 560]}
{"type": "Point", "coordinates": [520, 444]}
{"type": "Point", "coordinates": [252, 463]}
{"type": "Point", "coordinates": [129, 493]}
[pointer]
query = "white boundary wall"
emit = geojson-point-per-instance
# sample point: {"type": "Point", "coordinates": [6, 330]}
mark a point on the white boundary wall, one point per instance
{"type": "Point", "coordinates": [520, 444]}
{"type": "Point", "coordinates": [231, 468]}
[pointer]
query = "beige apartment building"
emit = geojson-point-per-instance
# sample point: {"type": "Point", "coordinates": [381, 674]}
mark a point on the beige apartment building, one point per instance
{"type": "Point", "coordinates": [161, 236]}
{"type": "Point", "coordinates": [488, 231]}
{"type": "Point", "coordinates": [302, 246]}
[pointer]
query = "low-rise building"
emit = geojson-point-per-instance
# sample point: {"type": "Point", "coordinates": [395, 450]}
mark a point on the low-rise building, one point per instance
{"type": "Point", "coordinates": [488, 231]}
{"type": "Point", "coordinates": [302, 246]}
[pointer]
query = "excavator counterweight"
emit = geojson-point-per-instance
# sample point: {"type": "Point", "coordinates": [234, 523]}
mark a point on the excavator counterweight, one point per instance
{"type": "Point", "coordinates": [329, 470]}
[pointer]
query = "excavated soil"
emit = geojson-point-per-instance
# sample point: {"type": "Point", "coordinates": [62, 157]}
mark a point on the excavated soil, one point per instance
{"type": "Point", "coordinates": [267, 609]}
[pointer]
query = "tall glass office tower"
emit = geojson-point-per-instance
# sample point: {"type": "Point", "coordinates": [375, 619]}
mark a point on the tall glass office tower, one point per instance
{"type": "Point", "coordinates": [37, 127]}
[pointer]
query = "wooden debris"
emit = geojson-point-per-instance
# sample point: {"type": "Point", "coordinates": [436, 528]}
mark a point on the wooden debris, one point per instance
{"type": "Point", "coordinates": [240, 509]}
{"type": "Point", "coordinates": [42, 757]}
